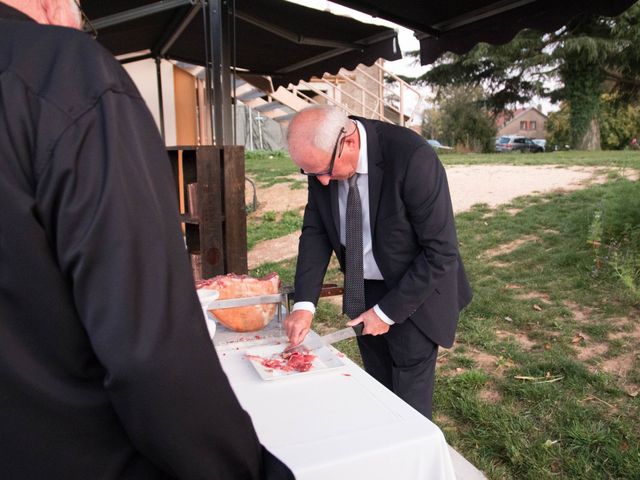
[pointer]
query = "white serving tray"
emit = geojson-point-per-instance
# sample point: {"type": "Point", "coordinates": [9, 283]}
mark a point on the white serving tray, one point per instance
{"type": "Point", "coordinates": [326, 359]}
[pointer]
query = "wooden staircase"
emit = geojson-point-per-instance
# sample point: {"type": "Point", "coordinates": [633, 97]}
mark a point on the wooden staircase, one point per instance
{"type": "Point", "coordinates": [371, 92]}
{"type": "Point", "coordinates": [257, 93]}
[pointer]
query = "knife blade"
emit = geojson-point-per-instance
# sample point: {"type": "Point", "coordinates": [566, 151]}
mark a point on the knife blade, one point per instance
{"type": "Point", "coordinates": [328, 339]}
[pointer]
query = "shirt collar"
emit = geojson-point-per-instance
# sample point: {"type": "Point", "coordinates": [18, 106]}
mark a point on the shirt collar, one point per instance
{"type": "Point", "coordinates": [363, 164]}
{"type": "Point", "coordinates": [10, 13]}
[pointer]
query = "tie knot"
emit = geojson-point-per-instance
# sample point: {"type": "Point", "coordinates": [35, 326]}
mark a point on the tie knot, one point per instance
{"type": "Point", "coordinates": [353, 179]}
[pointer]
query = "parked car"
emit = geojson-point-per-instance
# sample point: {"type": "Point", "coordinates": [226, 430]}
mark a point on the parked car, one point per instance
{"type": "Point", "coordinates": [541, 142]}
{"type": "Point", "coordinates": [438, 146]}
{"type": "Point", "coordinates": [517, 143]}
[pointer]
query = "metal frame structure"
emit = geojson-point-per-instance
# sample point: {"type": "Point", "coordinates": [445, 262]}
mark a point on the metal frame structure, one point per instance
{"type": "Point", "coordinates": [456, 27]}
{"type": "Point", "coordinates": [216, 15]}
{"type": "Point", "coordinates": [219, 18]}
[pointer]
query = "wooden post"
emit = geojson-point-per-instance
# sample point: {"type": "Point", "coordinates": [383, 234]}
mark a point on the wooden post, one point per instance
{"type": "Point", "coordinates": [210, 204]}
{"type": "Point", "coordinates": [216, 234]}
{"type": "Point", "coordinates": [235, 215]}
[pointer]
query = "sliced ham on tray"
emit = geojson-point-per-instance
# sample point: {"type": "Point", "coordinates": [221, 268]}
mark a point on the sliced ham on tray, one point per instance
{"type": "Point", "coordinates": [296, 361]}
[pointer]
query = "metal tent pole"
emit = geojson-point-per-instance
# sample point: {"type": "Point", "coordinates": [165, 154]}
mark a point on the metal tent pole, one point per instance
{"type": "Point", "coordinates": [140, 12]}
{"type": "Point", "coordinates": [208, 98]}
{"type": "Point", "coordinates": [160, 100]}
{"type": "Point", "coordinates": [250, 128]}
{"type": "Point", "coordinates": [220, 78]}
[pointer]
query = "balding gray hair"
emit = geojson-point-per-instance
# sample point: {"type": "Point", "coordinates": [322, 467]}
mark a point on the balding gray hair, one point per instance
{"type": "Point", "coordinates": [332, 120]}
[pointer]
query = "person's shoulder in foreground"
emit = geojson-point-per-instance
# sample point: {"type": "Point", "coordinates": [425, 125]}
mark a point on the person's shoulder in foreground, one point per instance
{"type": "Point", "coordinates": [105, 363]}
{"type": "Point", "coordinates": [60, 65]}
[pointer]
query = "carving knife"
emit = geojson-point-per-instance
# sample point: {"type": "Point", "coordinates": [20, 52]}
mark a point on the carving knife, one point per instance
{"type": "Point", "coordinates": [315, 343]}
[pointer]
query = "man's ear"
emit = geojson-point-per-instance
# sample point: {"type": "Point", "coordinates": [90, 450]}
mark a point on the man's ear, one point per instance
{"type": "Point", "coordinates": [61, 14]}
{"type": "Point", "coordinates": [352, 147]}
{"type": "Point", "coordinates": [352, 142]}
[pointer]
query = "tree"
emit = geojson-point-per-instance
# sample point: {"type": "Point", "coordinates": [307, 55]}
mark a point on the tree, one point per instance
{"type": "Point", "coordinates": [464, 121]}
{"type": "Point", "coordinates": [431, 123]}
{"type": "Point", "coordinates": [623, 72]}
{"type": "Point", "coordinates": [499, 70]}
{"type": "Point", "coordinates": [619, 124]}
{"type": "Point", "coordinates": [558, 129]}
{"type": "Point", "coordinates": [582, 50]}
{"type": "Point", "coordinates": [589, 56]}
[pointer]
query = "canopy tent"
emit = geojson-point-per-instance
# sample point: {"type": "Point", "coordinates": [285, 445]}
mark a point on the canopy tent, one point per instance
{"type": "Point", "coordinates": [457, 26]}
{"type": "Point", "coordinates": [272, 37]}
{"type": "Point", "coordinates": [267, 37]}
{"type": "Point", "coordinates": [290, 42]}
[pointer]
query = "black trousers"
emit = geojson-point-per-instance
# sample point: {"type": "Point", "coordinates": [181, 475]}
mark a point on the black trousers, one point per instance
{"type": "Point", "coordinates": [403, 359]}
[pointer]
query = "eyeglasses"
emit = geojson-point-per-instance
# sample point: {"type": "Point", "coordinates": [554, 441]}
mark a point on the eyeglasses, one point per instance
{"type": "Point", "coordinates": [87, 26]}
{"type": "Point", "coordinates": [334, 155]}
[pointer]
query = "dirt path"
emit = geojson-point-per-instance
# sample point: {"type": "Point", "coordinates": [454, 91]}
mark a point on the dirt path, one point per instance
{"type": "Point", "coordinates": [491, 184]}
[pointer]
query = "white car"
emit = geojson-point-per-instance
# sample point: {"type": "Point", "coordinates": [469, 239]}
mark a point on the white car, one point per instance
{"type": "Point", "coordinates": [438, 146]}
{"type": "Point", "coordinates": [540, 141]}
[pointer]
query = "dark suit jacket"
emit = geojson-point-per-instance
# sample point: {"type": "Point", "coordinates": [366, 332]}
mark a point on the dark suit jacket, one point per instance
{"type": "Point", "coordinates": [414, 235]}
{"type": "Point", "coordinates": [106, 367]}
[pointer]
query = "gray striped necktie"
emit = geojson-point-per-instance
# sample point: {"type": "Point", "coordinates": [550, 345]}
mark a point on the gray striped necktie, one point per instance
{"type": "Point", "coordinates": [353, 302]}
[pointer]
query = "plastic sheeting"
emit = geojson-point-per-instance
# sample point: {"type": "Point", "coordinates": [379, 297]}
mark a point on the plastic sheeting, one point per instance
{"type": "Point", "coordinates": [258, 132]}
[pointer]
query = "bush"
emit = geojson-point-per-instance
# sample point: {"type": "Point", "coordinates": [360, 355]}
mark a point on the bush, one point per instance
{"type": "Point", "coordinates": [614, 234]}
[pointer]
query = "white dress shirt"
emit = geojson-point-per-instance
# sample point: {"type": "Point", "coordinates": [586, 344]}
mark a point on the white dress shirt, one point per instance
{"type": "Point", "coordinates": [370, 267]}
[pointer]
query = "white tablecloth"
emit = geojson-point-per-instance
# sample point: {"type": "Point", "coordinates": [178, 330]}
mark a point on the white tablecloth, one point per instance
{"type": "Point", "coordinates": [338, 425]}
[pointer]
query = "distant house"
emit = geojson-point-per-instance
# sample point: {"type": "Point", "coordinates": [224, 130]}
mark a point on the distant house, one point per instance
{"type": "Point", "coordinates": [528, 122]}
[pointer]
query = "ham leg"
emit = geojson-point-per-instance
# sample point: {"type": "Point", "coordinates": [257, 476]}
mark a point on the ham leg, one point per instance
{"type": "Point", "coordinates": [244, 319]}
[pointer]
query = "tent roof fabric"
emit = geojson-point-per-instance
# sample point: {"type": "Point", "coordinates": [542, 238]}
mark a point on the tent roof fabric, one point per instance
{"type": "Point", "coordinates": [280, 39]}
{"type": "Point", "coordinates": [272, 37]}
{"type": "Point", "coordinates": [457, 26]}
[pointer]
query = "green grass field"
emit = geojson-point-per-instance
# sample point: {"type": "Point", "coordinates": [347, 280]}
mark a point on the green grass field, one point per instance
{"type": "Point", "coordinates": [544, 379]}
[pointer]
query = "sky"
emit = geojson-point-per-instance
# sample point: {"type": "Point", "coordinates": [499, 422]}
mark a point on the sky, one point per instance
{"type": "Point", "coordinates": [406, 66]}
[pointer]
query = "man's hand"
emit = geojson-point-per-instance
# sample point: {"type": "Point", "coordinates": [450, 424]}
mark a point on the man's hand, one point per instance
{"type": "Point", "coordinates": [373, 325]}
{"type": "Point", "coordinates": [297, 325]}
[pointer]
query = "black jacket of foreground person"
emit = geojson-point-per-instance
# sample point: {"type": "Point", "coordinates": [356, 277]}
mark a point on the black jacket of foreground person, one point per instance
{"type": "Point", "coordinates": [106, 367]}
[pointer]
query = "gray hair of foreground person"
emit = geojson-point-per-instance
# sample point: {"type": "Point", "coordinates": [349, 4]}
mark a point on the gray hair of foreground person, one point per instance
{"type": "Point", "coordinates": [318, 125]}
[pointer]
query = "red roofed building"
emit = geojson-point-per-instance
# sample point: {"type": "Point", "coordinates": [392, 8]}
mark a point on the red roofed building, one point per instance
{"type": "Point", "coordinates": [528, 122]}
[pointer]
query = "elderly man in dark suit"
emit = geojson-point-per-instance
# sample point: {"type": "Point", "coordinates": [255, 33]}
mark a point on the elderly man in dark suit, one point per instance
{"type": "Point", "coordinates": [414, 280]}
